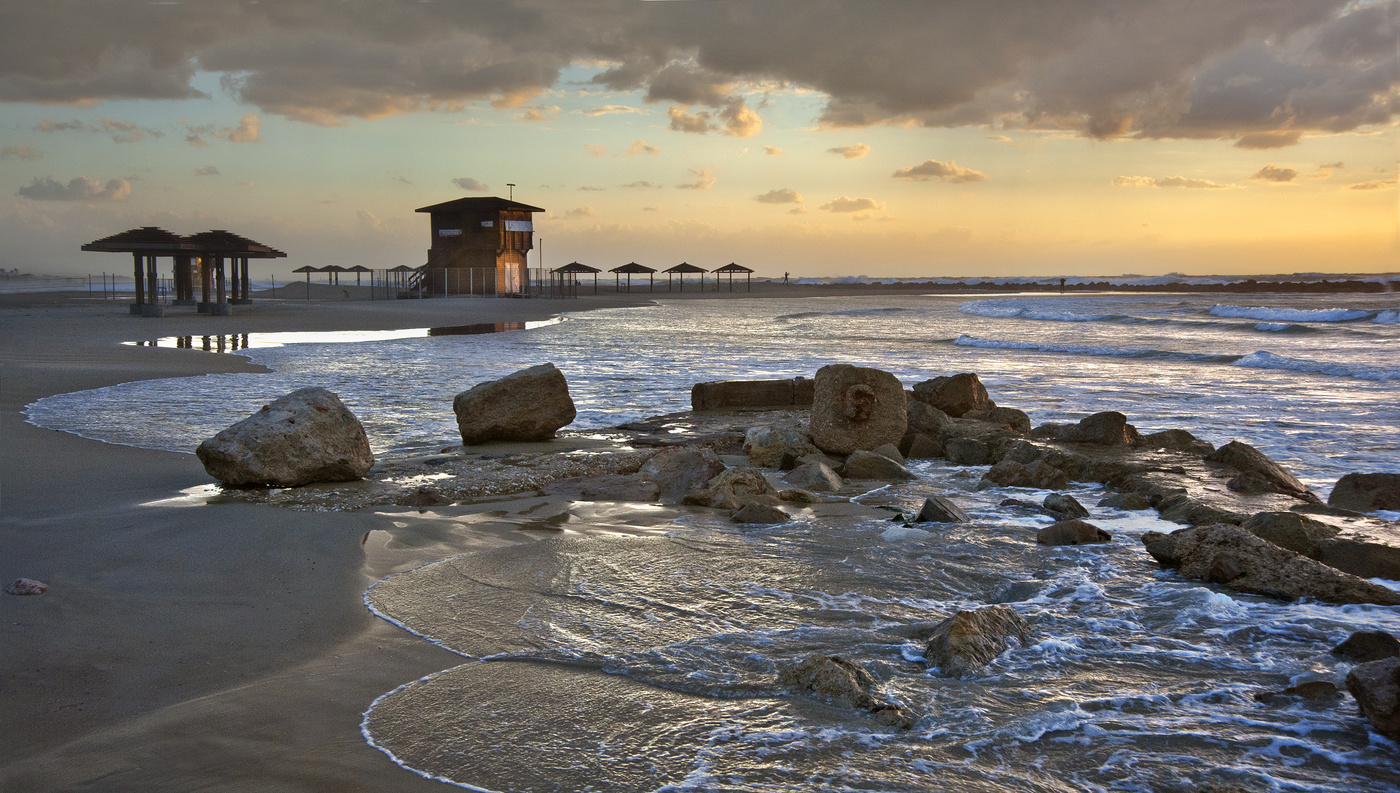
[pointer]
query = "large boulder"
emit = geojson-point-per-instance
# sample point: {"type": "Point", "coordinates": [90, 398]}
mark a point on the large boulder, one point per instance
{"type": "Point", "coordinates": [856, 408]}
{"type": "Point", "coordinates": [1232, 557]}
{"type": "Point", "coordinates": [766, 446]}
{"type": "Point", "coordinates": [1109, 428]}
{"type": "Point", "coordinates": [1366, 492]}
{"type": "Point", "coordinates": [1292, 531]}
{"type": "Point", "coordinates": [927, 419]}
{"type": "Point", "coordinates": [306, 436]}
{"type": "Point", "coordinates": [955, 395]}
{"type": "Point", "coordinates": [918, 446]}
{"type": "Point", "coordinates": [844, 683]}
{"type": "Point", "coordinates": [1072, 532]}
{"type": "Point", "coordinates": [1009, 473]}
{"type": "Point", "coordinates": [869, 465]}
{"type": "Point", "coordinates": [1257, 473]}
{"type": "Point", "coordinates": [1363, 646]}
{"type": "Point", "coordinates": [1376, 686]}
{"type": "Point", "coordinates": [680, 470]}
{"type": "Point", "coordinates": [733, 488]}
{"type": "Point", "coordinates": [814, 476]}
{"type": "Point", "coordinates": [967, 451]}
{"type": "Point", "coordinates": [1064, 506]}
{"type": "Point", "coordinates": [1010, 417]}
{"type": "Point", "coordinates": [528, 405]}
{"type": "Point", "coordinates": [1181, 508]}
{"type": "Point", "coordinates": [969, 640]}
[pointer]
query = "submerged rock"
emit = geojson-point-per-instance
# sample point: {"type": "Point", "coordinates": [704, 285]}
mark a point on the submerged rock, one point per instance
{"type": "Point", "coordinates": [1009, 473]}
{"type": "Point", "coordinates": [969, 640]}
{"type": "Point", "coordinates": [1376, 686]}
{"type": "Point", "coordinates": [528, 405]}
{"type": "Point", "coordinates": [856, 408]}
{"type": "Point", "coordinates": [26, 587]}
{"type": "Point", "coordinates": [843, 683]}
{"type": "Point", "coordinates": [1063, 506]}
{"type": "Point", "coordinates": [1015, 591]}
{"type": "Point", "coordinates": [937, 509]}
{"type": "Point", "coordinates": [869, 465]}
{"type": "Point", "coordinates": [1363, 646]}
{"type": "Point", "coordinates": [814, 476]}
{"type": "Point", "coordinates": [1230, 556]}
{"type": "Point", "coordinates": [955, 395]}
{"type": "Point", "coordinates": [1072, 532]}
{"type": "Point", "coordinates": [1257, 473]}
{"type": "Point", "coordinates": [759, 514]}
{"type": "Point", "coordinates": [797, 495]}
{"type": "Point", "coordinates": [733, 488]}
{"type": "Point", "coordinates": [681, 470]}
{"type": "Point", "coordinates": [1318, 691]}
{"type": "Point", "coordinates": [1366, 492]}
{"type": "Point", "coordinates": [306, 436]}
{"type": "Point", "coordinates": [1109, 428]}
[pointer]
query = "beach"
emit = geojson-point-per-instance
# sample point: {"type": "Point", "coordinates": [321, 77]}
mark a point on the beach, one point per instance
{"type": "Point", "coordinates": [191, 641]}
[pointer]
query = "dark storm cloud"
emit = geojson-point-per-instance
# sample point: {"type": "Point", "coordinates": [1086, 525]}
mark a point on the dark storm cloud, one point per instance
{"type": "Point", "coordinates": [1260, 71]}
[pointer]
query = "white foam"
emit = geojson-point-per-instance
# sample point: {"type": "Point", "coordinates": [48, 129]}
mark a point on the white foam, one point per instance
{"type": "Point", "coordinates": [1264, 359]}
{"type": "Point", "coordinates": [1388, 317]}
{"type": "Point", "coordinates": [1273, 314]}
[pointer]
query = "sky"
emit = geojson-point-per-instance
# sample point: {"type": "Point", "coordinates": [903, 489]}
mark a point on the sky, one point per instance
{"type": "Point", "coordinates": [816, 137]}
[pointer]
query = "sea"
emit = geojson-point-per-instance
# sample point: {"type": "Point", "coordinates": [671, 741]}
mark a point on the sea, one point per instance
{"type": "Point", "coordinates": [649, 660]}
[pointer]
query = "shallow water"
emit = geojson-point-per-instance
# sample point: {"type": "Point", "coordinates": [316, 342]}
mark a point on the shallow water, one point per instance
{"type": "Point", "coordinates": [650, 662]}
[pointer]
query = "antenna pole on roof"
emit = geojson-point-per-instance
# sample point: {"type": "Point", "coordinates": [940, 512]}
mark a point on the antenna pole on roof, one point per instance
{"type": "Point", "coordinates": [512, 190]}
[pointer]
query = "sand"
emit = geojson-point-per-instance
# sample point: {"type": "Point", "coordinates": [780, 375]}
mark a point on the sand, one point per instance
{"type": "Point", "coordinates": [182, 644]}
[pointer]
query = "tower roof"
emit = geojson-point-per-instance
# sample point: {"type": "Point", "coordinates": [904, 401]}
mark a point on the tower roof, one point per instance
{"type": "Point", "coordinates": [480, 204]}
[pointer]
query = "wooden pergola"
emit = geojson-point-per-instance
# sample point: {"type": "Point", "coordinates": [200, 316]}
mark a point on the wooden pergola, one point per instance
{"type": "Point", "coordinates": [629, 269]}
{"type": "Point", "coordinates": [145, 245]}
{"type": "Point", "coordinates": [733, 268]}
{"type": "Point", "coordinates": [680, 270]}
{"type": "Point", "coordinates": [575, 269]}
{"type": "Point", "coordinates": [213, 247]}
{"type": "Point", "coordinates": [357, 270]}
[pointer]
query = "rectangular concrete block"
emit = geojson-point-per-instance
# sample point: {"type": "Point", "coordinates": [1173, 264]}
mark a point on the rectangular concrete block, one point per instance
{"type": "Point", "coordinates": [723, 394]}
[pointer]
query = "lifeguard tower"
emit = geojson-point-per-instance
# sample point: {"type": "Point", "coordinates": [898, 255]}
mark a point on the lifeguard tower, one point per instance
{"type": "Point", "coordinates": [479, 246]}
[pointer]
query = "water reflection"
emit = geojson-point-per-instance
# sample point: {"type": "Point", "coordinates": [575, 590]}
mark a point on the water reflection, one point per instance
{"type": "Point", "coordinates": [233, 342]}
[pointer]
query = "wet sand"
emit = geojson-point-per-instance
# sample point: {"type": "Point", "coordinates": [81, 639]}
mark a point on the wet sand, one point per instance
{"type": "Point", "coordinates": [185, 645]}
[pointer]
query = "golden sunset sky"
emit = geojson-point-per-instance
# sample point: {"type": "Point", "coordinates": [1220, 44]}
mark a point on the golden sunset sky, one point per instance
{"type": "Point", "coordinates": [906, 139]}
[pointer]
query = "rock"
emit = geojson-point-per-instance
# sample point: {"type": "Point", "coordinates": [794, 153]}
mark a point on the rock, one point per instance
{"type": "Point", "coordinates": [680, 470]}
{"type": "Point", "coordinates": [1015, 591]}
{"type": "Point", "coordinates": [1072, 532]}
{"type": "Point", "coordinates": [1362, 558]}
{"type": "Point", "coordinates": [423, 496]}
{"type": "Point", "coordinates": [969, 640]}
{"type": "Point", "coordinates": [1009, 473]}
{"type": "Point", "coordinates": [1064, 506]}
{"type": "Point", "coordinates": [1023, 452]}
{"type": "Point", "coordinates": [954, 395]}
{"type": "Point", "coordinates": [937, 509]}
{"type": "Point", "coordinates": [1177, 441]}
{"type": "Point", "coordinates": [767, 446]}
{"type": "Point", "coordinates": [1363, 646]}
{"type": "Point", "coordinates": [760, 514]}
{"type": "Point", "coordinates": [816, 477]}
{"type": "Point", "coordinates": [751, 394]}
{"type": "Point", "coordinates": [1313, 691]}
{"type": "Point", "coordinates": [1044, 476]}
{"type": "Point", "coordinates": [528, 405]}
{"type": "Point", "coordinates": [1181, 508]}
{"type": "Point", "coordinates": [1258, 474]}
{"type": "Point", "coordinates": [797, 495]}
{"type": "Point", "coordinates": [610, 487]}
{"type": "Point", "coordinates": [967, 451]}
{"type": "Point", "coordinates": [1230, 556]}
{"type": "Point", "coordinates": [1109, 428]}
{"type": "Point", "coordinates": [927, 419]}
{"type": "Point", "coordinates": [1366, 492]}
{"type": "Point", "coordinates": [918, 446]}
{"type": "Point", "coordinates": [844, 683]}
{"type": "Point", "coordinates": [1376, 686]}
{"type": "Point", "coordinates": [1323, 509]}
{"type": "Point", "coordinates": [869, 465]}
{"type": "Point", "coordinates": [306, 436]}
{"type": "Point", "coordinates": [1292, 531]}
{"type": "Point", "coordinates": [891, 451]}
{"type": "Point", "coordinates": [1020, 504]}
{"type": "Point", "coordinates": [1010, 417]}
{"type": "Point", "coordinates": [731, 489]}
{"type": "Point", "coordinates": [1128, 502]}
{"type": "Point", "coordinates": [26, 587]}
{"type": "Point", "coordinates": [856, 408]}
{"type": "Point", "coordinates": [1050, 431]}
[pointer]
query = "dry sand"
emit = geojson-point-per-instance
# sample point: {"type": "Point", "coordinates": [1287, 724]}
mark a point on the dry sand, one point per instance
{"type": "Point", "coordinates": [185, 645]}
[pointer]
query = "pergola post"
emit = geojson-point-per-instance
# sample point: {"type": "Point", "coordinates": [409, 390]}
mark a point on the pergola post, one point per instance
{"type": "Point", "coordinates": [205, 276]}
{"type": "Point", "coordinates": [243, 263]}
{"type": "Point", "coordinates": [139, 275]}
{"type": "Point", "coordinates": [152, 281]}
{"type": "Point", "coordinates": [237, 283]}
{"type": "Point", "coordinates": [219, 280]}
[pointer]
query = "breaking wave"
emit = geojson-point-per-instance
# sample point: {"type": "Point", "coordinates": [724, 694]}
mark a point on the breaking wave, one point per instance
{"type": "Point", "coordinates": [1092, 349]}
{"type": "Point", "coordinates": [850, 312]}
{"type": "Point", "coordinates": [1267, 360]}
{"type": "Point", "coordinates": [1272, 314]}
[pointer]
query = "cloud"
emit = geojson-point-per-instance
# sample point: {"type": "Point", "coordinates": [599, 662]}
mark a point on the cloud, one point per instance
{"type": "Point", "coordinates": [1373, 184]}
{"type": "Point", "coordinates": [641, 183]}
{"type": "Point", "coordinates": [782, 196]}
{"type": "Point", "coordinates": [844, 204]}
{"type": "Point", "coordinates": [681, 121]}
{"type": "Point", "coordinates": [580, 212]}
{"type": "Point", "coordinates": [470, 185]}
{"type": "Point", "coordinates": [704, 179]}
{"type": "Point", "coordinates": [657, 208]}
{"type": "Point", "coordinates": [999, 138]}
{"type": "Point", "coordinates": [641, 147]}
{"type": "Point", "coordinates": [740, 121]}
{"type": "Point", "coordinates": [942, 171]}
{"type": "Point", "coordinates": [1325, 170]}
{"type": "Point", "coordinates": [1273, 173]}
{"type": "Point", "coordinates": [595, 149]}
{"type": "Point", "coordinates": [772, 151]}
{"type": "Point", "coordinates": [22, 152]}
{"type": "Point", "coordinates": [207, 170]}
{"type": "Point", "coordinates": [733, 118]}
{"type": "Point", "coordinates": [1167, 181]}
{"type": "Point", "coordinates": [121, 131]}
{"type": "Point", "coordinates": [588, 189]}
{"type": "Point", "coordinates": [610, 110]}
{"type": "Point", "coordinates": [248, 130]}
{"type": "Point", "coordinates": [80, 189]}
{"type": "Point", "coordinates": [797, 211]}
{"type": "Point", "coordinates": [1269, 139]}
{"type": "Point", "coordinates": [855, 151]}
{"type": "Point", "coordinates": [1215, 69]}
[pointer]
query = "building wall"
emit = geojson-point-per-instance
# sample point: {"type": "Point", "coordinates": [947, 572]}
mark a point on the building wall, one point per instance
{"type": "Point", "coordinates": [494, 254]}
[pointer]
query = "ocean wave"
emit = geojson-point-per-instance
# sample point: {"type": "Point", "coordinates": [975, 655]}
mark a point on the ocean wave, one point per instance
{"type": "Point", "coordinates": [850, 312]}
{"type": "Point", "coordinates": [1267, 360]}
{"type": "Point", "coordinates": [1280, 327]}
{"type": "Point", "coordinates": [1089, 349]}
{"type": "Point", "coordinates": [1272, 314]}
{"type": "Point", "coordinates": [997, 309]}
{"type": "Point", "coordinates": [1389, 317]}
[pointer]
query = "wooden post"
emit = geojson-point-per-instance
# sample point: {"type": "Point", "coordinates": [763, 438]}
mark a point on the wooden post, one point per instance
{"type": "Point", "coordinates": [244, 264]}
{"type": "Point", "coordinates": [233, 295]}
{"type": "Point", "coordinates": [152, 281]}
{"type": "Point", "coordinates": [205, 276]}
{"type": "Point", "coordinates": [140, 277]}
{"type": "Point", "coordinates": [219, 277]}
